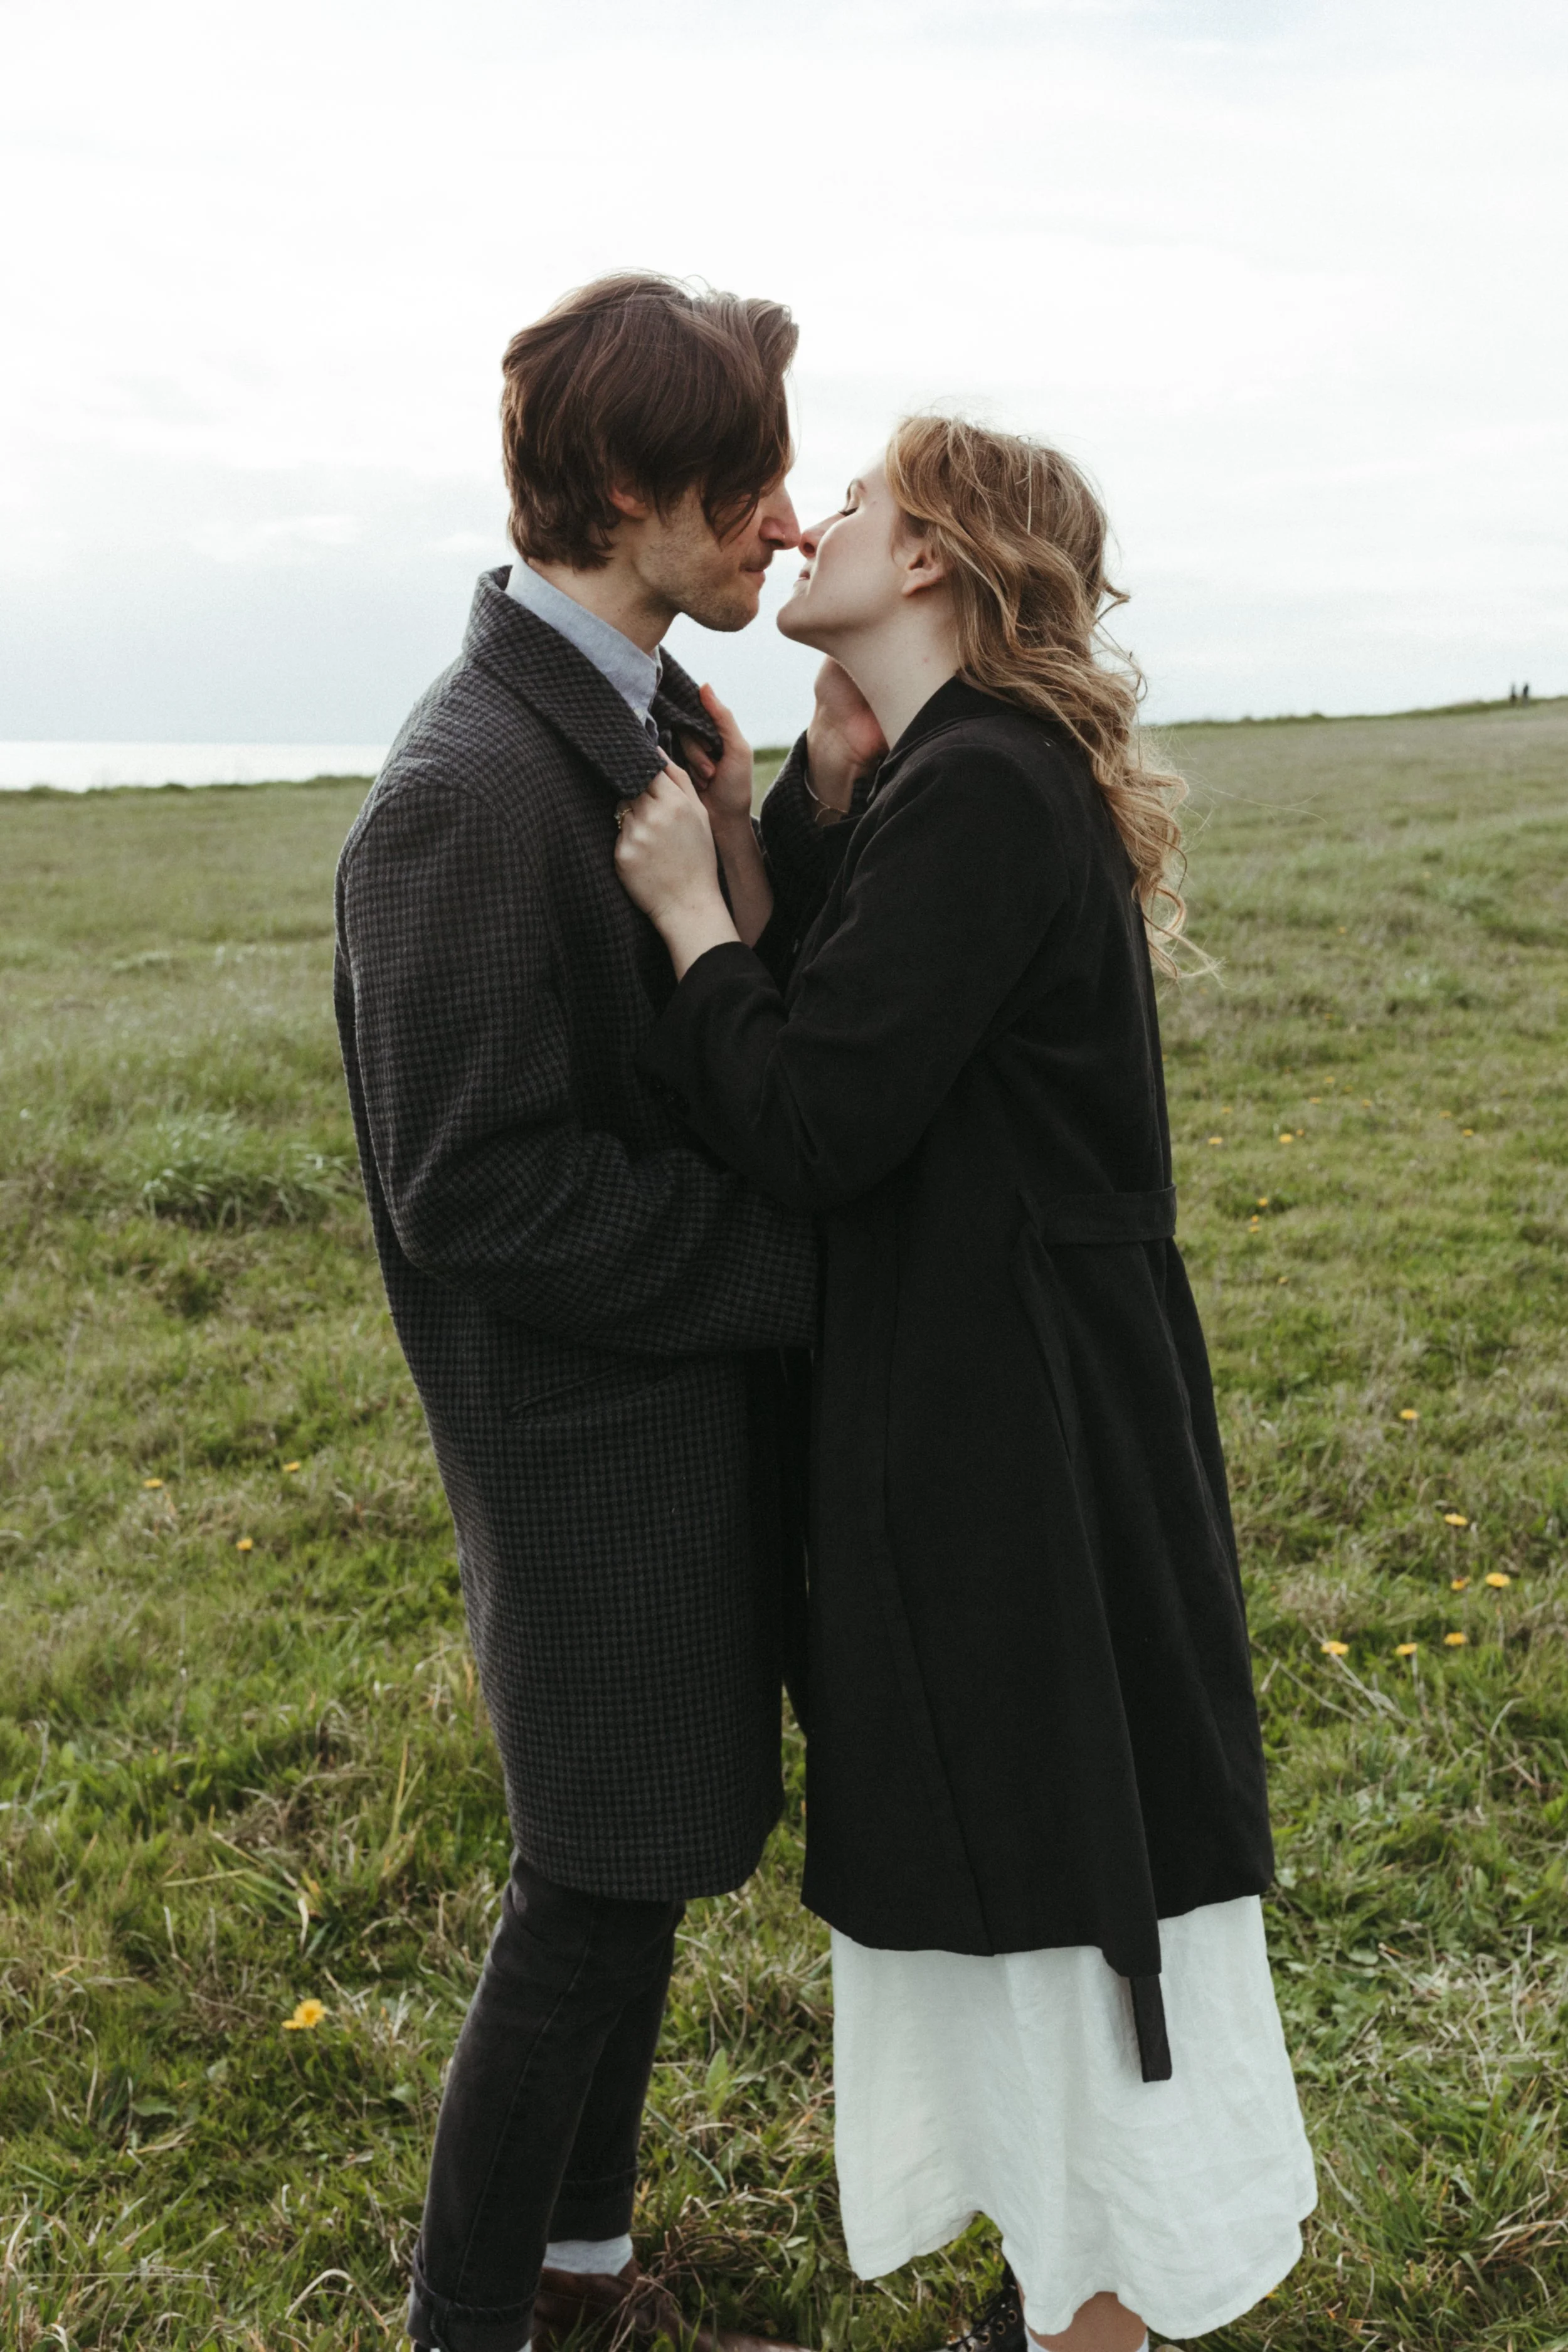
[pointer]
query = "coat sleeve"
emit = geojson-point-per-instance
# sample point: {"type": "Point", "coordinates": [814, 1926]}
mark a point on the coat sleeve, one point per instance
{"type": "Point", "coordinates": [465, 1067]}
{"type": "Point", "coordinates": [950, 898]}
{"type": "Point", "coordinates": [802, 858]}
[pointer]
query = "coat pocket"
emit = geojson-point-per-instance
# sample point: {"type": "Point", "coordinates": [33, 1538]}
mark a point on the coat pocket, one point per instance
{"type": "Point", "coordinates": [1034, 1279]}
{"type": "Point", "coordinates": [583, 1393]}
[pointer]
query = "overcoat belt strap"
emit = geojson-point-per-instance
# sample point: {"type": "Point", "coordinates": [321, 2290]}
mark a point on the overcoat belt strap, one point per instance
{"type": "Point", "coordinates": [1088, 1220]}
{"type": "Point", "coordinates": [1077, 1220]}
{"type": "Point", "coordinates": [1149, 2024]}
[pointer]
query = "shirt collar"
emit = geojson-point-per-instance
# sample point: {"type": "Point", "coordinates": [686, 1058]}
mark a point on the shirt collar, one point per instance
{"type": "Point", "coordinates": [634, 674]}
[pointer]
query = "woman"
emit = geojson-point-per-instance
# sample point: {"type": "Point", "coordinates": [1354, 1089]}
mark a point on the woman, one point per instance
{"type": "Point", "coordinates": [1037, 1821]}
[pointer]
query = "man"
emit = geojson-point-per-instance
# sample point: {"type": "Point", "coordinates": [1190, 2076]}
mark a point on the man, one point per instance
{"type": "Point", "coordinates": [590, 1308]}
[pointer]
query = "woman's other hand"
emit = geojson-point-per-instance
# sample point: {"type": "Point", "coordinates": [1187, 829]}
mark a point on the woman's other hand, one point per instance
{"type": "Point", "coordinates": [842, 743]}
{"type": "Point", "coordinates": [666, 861]}
{"type": "Point", "coordinates": [725, 784]}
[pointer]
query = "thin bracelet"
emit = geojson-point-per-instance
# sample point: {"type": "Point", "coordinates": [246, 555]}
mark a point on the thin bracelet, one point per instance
{"type": "Point", "coordinates": [833, 816]}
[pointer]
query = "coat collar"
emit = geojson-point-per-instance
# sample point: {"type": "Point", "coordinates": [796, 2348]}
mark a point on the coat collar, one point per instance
{"type": "Point", "coordinates": [535, 663]}
{"type": "Point", "coordinates": [952, 703]}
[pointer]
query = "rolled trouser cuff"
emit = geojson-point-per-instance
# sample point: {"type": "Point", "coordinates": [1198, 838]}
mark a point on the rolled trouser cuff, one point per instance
{"type": "Point", "coordinates": [591, 2208]}
{"type": "Point", "coordinates": [447, 2326]}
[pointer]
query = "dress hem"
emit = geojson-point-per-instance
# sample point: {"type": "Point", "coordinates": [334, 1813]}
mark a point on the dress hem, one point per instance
{"type": "Point", "coordinates": [1159, 2319]}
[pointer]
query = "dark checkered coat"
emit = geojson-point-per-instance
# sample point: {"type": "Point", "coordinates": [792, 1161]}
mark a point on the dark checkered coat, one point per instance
{"type": "Point", "coordinates": [591, 1307]}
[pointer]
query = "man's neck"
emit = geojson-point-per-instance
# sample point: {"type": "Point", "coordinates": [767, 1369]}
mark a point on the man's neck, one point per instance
{"type": "Point", "coordinates": [615, 596]}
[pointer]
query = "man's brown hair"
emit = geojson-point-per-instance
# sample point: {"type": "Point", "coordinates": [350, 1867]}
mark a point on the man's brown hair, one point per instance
{"type": "Point", "coordinates": [637, 382]}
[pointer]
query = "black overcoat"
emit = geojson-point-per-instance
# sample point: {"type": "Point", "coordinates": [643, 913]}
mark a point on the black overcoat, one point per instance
{"type": "Point", "coordinates": [585, 1295]}
{"type": "Point", "coordinates": [1031, 1718]}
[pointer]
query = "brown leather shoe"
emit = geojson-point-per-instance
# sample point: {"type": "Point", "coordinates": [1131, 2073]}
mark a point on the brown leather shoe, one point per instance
{"type": "Point", "coordinates": [624, 2310]}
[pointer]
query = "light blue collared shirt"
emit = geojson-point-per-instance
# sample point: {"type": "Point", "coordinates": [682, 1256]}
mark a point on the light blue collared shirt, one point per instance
{"type": "Point", "coordinates": [634, 674]}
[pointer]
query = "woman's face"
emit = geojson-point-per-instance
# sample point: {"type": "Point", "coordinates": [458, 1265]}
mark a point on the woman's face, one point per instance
{"type": "Point", "coordinates": [850, 579]}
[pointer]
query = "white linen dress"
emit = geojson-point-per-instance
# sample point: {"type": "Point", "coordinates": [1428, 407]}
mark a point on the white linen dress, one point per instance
{"type": "Point", "coordinates": [1011, 2087]}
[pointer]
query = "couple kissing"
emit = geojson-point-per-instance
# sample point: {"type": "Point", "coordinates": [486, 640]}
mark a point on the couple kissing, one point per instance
{"type": "Point", "coordinates": [778, 1219]}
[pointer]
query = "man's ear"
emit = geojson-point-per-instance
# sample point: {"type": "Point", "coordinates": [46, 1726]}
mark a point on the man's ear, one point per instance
{"type": "Point", "coordinates": [630, 502]}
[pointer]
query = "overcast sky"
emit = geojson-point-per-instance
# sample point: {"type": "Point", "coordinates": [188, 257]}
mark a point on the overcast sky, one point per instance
{"type": "Point", "coordinates": [1287, 274]}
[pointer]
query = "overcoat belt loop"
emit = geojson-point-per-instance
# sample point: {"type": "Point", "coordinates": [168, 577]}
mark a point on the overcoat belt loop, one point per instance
{"type": "Point", "coordinates": [1075, 1220]}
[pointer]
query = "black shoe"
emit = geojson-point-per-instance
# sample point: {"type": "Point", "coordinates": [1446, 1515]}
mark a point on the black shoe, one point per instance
{"type": "Point", "coordinates": [1000, 2326]}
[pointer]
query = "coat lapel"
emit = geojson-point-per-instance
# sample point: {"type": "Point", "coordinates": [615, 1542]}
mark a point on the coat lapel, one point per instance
{"type": "Point", "coordinates": [535, 663]}
{"type": "Point", "coordinates": [677, 709]}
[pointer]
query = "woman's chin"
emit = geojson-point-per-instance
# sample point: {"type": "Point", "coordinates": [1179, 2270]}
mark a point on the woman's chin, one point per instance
{"type": "Point", "coordinates": [793, 621]}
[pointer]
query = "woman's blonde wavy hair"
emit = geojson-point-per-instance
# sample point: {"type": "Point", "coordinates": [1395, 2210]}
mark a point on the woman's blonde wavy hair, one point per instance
{"type": "Point", "coordinates": [1023, 536]}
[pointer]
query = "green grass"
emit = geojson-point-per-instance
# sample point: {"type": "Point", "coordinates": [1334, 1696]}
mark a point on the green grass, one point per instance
{"type": "Point", "coordinates": [237, 1778]}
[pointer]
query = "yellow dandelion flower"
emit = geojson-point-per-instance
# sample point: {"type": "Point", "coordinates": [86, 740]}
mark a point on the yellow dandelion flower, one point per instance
{"type": "Point", "coordinates": [1286, 1137]}
{"type": "Point", "coordinates": [1366, 1102]}
{"type": "Point", "coordinates": [288, 1467]}
{"type": "Point", "coordinates": [1408, 1413]}
{"type": "Point", "coordinates": [1455, 1519]}
{"type": "Point", "coordinates": [152, 1482]}
{"type": "Point", "coordinates": [1224, 1110]}
{"type": "Point", "coordinates": [244, 1543]}
{"type": "Point", "coordinates": [1445, 1113]}
{"type": "Point", "coordinates": [1460, 1584]}
{"type": "Point", "coordinates": [1284, 1277]}
{"type": "Point", "coordinates": [1263, 1199]}
{"type": "Point", "coordinates": [1466, 1130]}
{"type": "Point", "coordinates": [1217, 1139]}
{"type": "Point", "coordinates": [1301, 1131]}
{"type": "Point", "coordinates": [306, 2018]}
{"type": "Point", "coordinates": [1498, 1581]}
{"type": "Point", "coordinates": [1335, 1649]}
{"type": "Point", "coordinates": [1341, 931]}
{"type": "Point", "coordinates": [1455, 1640]}
{"type": "Point", "coordinates": [1314, 1098]}
{"type": "Point", "coordinates": [1405, 1649]}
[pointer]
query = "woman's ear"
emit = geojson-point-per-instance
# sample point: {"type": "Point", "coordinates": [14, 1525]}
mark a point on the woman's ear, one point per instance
{"type": "Point", "coordinates": [922, 563]}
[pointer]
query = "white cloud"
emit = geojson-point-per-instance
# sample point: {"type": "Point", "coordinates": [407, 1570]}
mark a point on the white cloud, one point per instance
{"type": "Point", "coordinates": [285, 540]}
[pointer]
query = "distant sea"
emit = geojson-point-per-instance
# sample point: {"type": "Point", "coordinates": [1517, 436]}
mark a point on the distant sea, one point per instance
{"type": "Point", "coordinates": [86, 767]}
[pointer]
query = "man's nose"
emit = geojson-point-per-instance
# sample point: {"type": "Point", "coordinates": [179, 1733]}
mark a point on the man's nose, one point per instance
{"type": "Point", "coordinates": [781, 524]}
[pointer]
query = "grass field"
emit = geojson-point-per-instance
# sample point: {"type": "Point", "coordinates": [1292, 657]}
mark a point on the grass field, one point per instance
{"type": "Point", "coordinates": [241, 1762]}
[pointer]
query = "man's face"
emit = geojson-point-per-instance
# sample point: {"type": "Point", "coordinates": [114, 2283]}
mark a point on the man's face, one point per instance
{"type": "Point", "coordinates": [718, 582]}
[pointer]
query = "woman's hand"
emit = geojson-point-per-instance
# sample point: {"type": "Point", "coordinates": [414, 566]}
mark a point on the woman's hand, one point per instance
{"type": "Point", "coordinates": [665, 858]}
{"type": "Point", "coordinates": [842, 743]}
{"type": "Point", "coordinates": [725, 784]}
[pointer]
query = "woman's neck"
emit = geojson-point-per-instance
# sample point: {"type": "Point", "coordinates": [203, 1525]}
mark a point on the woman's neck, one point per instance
{"type": "Point", "coordinates": [898, 674]}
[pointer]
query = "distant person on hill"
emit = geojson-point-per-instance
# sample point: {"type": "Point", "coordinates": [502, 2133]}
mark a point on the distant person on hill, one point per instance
{"type": "Point", "coordinates": [1036, 1818]}
{"type": "Point", "coordinates": [593, 1311]}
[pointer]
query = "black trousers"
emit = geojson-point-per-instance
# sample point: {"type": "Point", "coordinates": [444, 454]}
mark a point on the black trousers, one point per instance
{"type": "Point", "coordinates": [537, 2138]}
